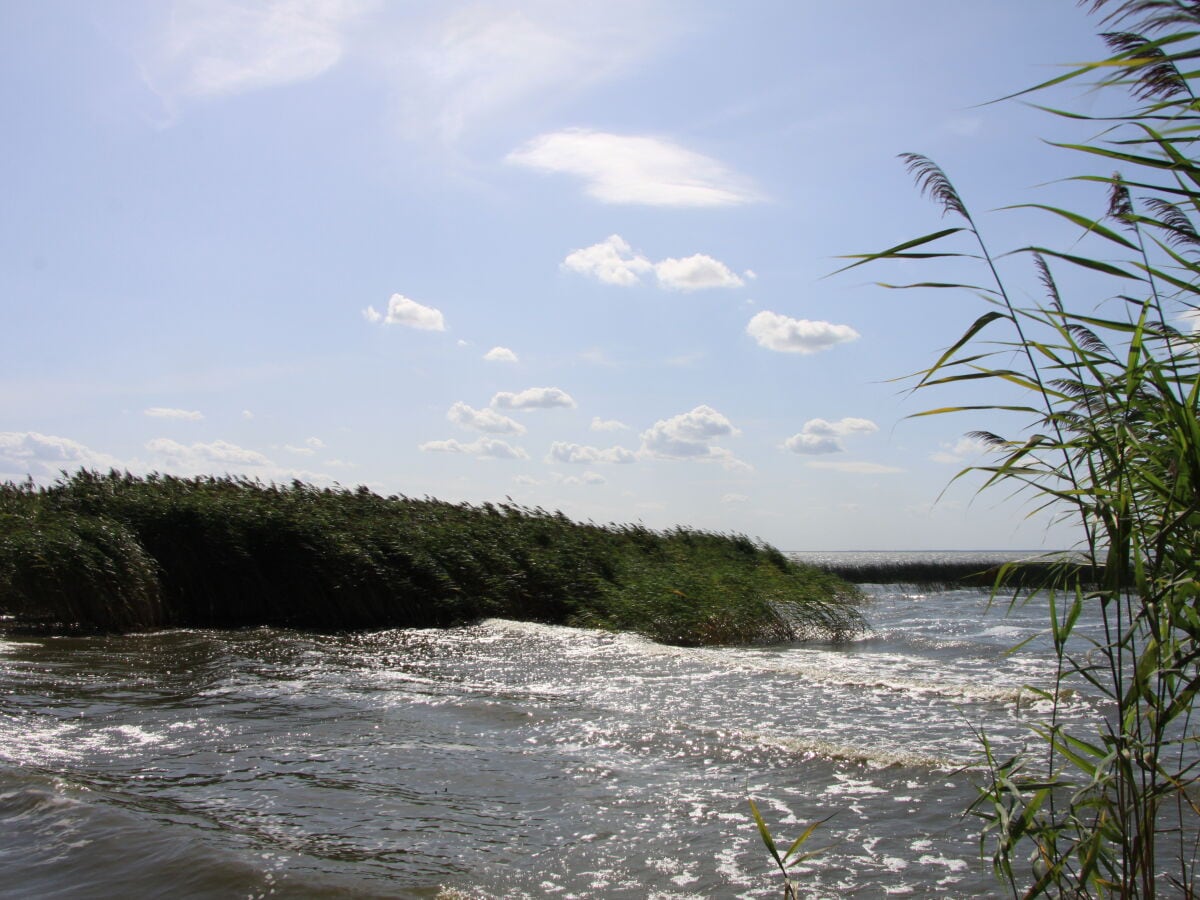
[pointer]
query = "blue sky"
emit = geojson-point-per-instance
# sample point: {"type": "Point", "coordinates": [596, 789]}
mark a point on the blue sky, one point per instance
{"type": "Point", "coordinates": [570, 253]}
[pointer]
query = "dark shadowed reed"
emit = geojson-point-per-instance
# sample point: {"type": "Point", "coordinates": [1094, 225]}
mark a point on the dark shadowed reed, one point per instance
{"type": "Point", "coordinates": [118, 552]}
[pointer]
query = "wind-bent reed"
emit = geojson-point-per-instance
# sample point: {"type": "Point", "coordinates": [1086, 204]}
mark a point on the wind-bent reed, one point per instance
{"type": "Point", "coordinates": [1109, 388]}
{"type": "Point", "coordinates": [117, 552]}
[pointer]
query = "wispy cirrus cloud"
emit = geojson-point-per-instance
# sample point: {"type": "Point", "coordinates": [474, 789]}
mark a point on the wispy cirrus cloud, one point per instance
{"type": "Point", "coordinates": [787, 335]}
{"type": "Point", "coordinates": [404, 311]}
{"type": "Point", "coordinates": [613, 261]}
{"type": "Point", "coordinates": [533, 398]}
{"type": "Point", "coordinates": [635, 170]}
{"type": "Point", "coordinates": [211, 48]}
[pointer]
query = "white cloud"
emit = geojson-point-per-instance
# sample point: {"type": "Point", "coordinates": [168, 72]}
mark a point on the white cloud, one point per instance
{"type": "Point", "coordinates": [315, 442]}
{"type": "Point", "coordinates": [735, 498]}
{"type": "Point", "coordinates": [483, 420]}
{"type": "Point", "coordinates": [691, 435]}
{"type": "Point", "coordinates": [163, 412]}
{"type": "Point", "coordinates": [533, 398]}
{"type": "Point", "coordinates": [403, 311]}
{"type": "Point", "coordinates": [561, 451]}
{"type": "Point", "coordinates": [302, 451]}
{"type": "Point", "coordinates": [44, 456]}
{"type": "Point", "coordinates": [961, 451]}
{"type": "Point", "coordinates": [481, 61]}
{"type": "Point", "coordinates": [628, 169]}
{"type": "Point", "coordinates": [819, 436]}
{"type": "Point", "coordinates": [526, 480]}
{"type": "Point", "coordinates": [484, 448]}
{"type": "Point", "coordinates": [599, 424]}
{"type": "Point", "coordinates": [247, 415]}
{"type": "Point", "coordinates": [500, 354]}
{"type": "Point", "coordinates": [611, 261]}
{"type": "Point", "coordinates": [694, 273]}
{"type": "Point", "coordinates": [202, 457]}
{"type": "Point", "coordinates": [220, 47]}
{"type": "Point", "coordinates": [1190, 320]}
{"type": "Point", "coordinates": [856, 468]}
{"type": "Point", "coordinates": [787, 335]}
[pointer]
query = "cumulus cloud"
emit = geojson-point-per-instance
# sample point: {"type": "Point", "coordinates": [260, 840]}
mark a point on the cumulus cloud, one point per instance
{"type": "Point", "coordinates": [220, 47]}
{"type": "Point", "coordinates": [961, 451]}
{"type": "Point", "coordinates": [787, 335]}
{"type": "Point", "coordinates": [561, 451]}
{"type": "Point", "coordinates": [247, 414]}
{"type": "Point", "coordinates": [628, 169]}
{"type": "Point", "coordinates": [855, 468]}
{"type": "Point", "coordinates": [818, 436]}
{"type": "Point", "coordinates": [43, 456]}
{"type": "Point", "coordinates": [201, 456]}
{"type": "Point", "coordinates": [163, 412]}
{"type": "Point", "coordinates": [691, 435]}
{"type": "Point", "coordinates": [694, 273]}
{"type": "Point", "coordinates": [484, 448]}
{"type": "Point", "coordinates": [533, 398]}
{"type": "Point", "coordinates": [500, 354]}
{"type": "Point", "coordinates": [599, 424]}
{"type": "Point", "coordinates": [403, 311]}
{"type": "Point", "coordinates": [613, 261]}
{"type": "Point", "coordinates": [483, 420]}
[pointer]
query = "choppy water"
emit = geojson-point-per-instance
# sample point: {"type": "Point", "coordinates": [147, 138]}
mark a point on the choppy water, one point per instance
{"type": "Point", "coordinates": [504, 759]}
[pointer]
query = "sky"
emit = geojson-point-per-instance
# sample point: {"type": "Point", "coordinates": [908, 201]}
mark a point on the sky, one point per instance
{"type": "Point", "coordinates": [576, 255]}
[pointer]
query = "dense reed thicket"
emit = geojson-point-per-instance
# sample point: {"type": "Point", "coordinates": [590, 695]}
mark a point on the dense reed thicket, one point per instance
{"type": "Point", "coordinates": [1106, 384]}
{"type": "Point", "coordinates": [117, 552]}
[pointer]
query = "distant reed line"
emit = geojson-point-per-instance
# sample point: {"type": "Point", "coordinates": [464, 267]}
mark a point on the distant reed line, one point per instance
{"type": "Point", "coordinates": [117, 552]}
{"type": "Point", "coordinates": [975, 573]}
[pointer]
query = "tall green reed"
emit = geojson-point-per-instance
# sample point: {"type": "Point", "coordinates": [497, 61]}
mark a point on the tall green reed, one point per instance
{"type": "Point", "coordinates": [1107, 387]}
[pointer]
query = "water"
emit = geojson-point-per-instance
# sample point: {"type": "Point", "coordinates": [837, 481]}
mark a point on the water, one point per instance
{"type": "Point", "coordinates": [506, 759]}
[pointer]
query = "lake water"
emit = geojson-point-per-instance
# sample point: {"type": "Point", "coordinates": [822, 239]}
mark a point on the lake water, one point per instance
{"type": "Point", "coordinates": [507, 759]}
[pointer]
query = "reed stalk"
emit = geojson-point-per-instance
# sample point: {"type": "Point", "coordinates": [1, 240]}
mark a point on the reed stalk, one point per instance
{"type": "Point", "coordinates": [1107, 386]}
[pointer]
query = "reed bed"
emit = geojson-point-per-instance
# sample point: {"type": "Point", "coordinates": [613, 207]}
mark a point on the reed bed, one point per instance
{"type": "Point", "coordinates": [975, 573]}
{"type": "Point", "coordinates": [117, 552]}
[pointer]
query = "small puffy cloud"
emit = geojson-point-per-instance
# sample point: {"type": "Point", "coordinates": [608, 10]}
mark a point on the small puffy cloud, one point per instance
{"type": "Point", "coordinates": [735, 498]}
{"type": "Point", "coordinates": [247, 415]}
{"type": "Point", "coordinates": [961, 451]}
{"type": "Point", "coordinates": [484, 448]}
{"type": "Point", "coordinates": [533, 398]}
{"type": "Point", "coordinates": [691, 435]}
{"type": "Point", "coordinates": [599, 424]}
{"type": "Point", "coordinates": [818, 436]}
{"type": "Point", "coordinates": [694, 273]}
{"type": "Point", "coordinates": [788, 335]}
{"type": "Point", "coordinates": [854, 467]}
{"type": "Point", "coordinates": [200, 456]}
{"type": "Point", "coordinates": [500, 354]}
{"type": "Point", "coordinates": [403, 311]}
{"type": "Point", "coordinates": [302, 451]}
{"type": "Point", "coordinates": [315, 442]}
{"type": "Point", "coordinates": [44, 456]}
{"type": "Point", "coordinates": [627, 169]}
{"type": "Point", "coordinates": [561, 451]}
{"type": "Point", "coordinates": [163, 412]}
{"type": "Point", "coordinates": [611, 261]}
{"type": "Point", "coordinates": [483, 420]}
